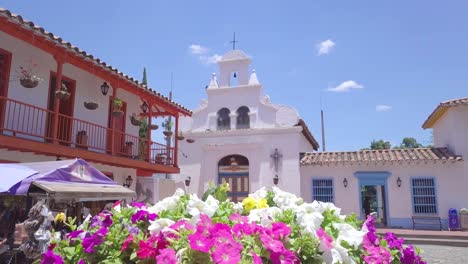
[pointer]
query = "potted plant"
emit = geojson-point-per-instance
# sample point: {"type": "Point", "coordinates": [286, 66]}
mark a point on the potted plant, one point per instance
{"type": "Point", "coordinates": [91, 105]}
{"type": "Point", "coordinates": [82, 139]}
{"type": "Point", "coordinates": [117, 107]}
{"type": "Point", "coordinates": [464, 218]}
{"type": "Point", "coordinates": [128, 148]}
{"type": "Point", "coordinates": [180, 136]}
{"type": "Point", "coordinates": [153, 127]}
{"type": "Point", "coordinates": [134, 120]}
{"type": "Point", "coordinates": [27, 77]}
{"type": "Point", "coordinates": [167, 124]}
{"type": "Point", "coordinates": [62, 93]}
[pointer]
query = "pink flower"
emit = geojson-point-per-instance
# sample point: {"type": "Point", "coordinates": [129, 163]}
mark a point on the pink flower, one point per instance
{"type": "Point", "coordinates": [50, 258]}
{"type": "Point", "coordinates": [146, 249]}
{"type": "Point", "coordinates": [284, 257]}
{"type": "Point", "coordinates": [182, 224]}
{"type": "Point", "coordinates": [256, 259]}
{"type": "Point", "coordinates": [166, 256]}
{"type": "Point", "coordinates": [200, 243]}
{"type": "Point", "coordinates": [325, 238]}
{"type": "Point", "coordinates": [142, 215]}
{"type": "Point", "coordinates": [271, 244]}
{"type": "Point", "coordinates": [138, 205]}
{"type": "Point", "coordinates": [238, 218]}
{"type": "Point", "coordinates": [226, 255]}
{"type": "Point", "coordinates": [280, 230]}
{"type": "Point", "coordinates": [378, 255]}
{"type": "Point", "coordinates": [81, 261]}
{"type": "Point", "coordinates": [127, 241]}
{"type": "Point", "coordinates": [393, 241]}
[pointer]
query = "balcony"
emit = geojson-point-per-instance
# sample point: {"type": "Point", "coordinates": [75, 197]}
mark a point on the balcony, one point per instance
{"type": "Point", "coordinates": [27, 127]}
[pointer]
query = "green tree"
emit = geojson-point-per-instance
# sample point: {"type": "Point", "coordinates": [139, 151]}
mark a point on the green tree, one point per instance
{"type": "Point", "coordinates": [380, 144]}
{"type": "Point", "coordinates": [409, 142]}
{"type": "Point", "coordinates": [144, 81]}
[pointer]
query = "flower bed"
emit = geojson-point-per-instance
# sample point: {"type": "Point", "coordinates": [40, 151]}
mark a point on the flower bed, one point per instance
{"type": "Point", "coordinates": [267, 227]}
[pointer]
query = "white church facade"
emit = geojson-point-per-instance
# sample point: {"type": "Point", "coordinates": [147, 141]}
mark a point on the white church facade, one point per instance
{"type": "Point", "coordinates": [238, 132]}
{"type": "Point", "coordinates": [238, 135]}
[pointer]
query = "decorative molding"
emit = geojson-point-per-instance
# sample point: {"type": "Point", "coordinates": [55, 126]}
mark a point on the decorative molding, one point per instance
{"type": "Point", "coordinates": [241, 132]}
{"type": "Point", "coordinates": [235, 146]}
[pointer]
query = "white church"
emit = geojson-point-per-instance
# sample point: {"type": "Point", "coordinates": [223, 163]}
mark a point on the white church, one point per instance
{"type": "Point", "coordinates": [237, 135]}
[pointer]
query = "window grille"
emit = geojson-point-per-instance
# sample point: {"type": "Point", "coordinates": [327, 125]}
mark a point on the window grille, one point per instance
{"type": "Point", "coordinates": [224, 121]}
{"type": "Point", "coordinates": [424, 196]}
{"type": "Point", "coordinates": [322, 190]}
{"type": "Point", "coordinates": [243, 120]}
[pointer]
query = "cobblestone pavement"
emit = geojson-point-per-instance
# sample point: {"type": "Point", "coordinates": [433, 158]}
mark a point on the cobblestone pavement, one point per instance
{"type": "Point", "coordinates": [444, 254]}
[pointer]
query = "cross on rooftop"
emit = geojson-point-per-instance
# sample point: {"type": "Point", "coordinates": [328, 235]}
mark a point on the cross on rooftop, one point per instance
{"type": "Point", "coordinates": [234, 41]}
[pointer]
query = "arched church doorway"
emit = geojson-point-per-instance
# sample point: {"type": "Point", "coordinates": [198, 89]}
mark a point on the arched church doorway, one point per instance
{"type": "Point", "coordinates": [234, 169]}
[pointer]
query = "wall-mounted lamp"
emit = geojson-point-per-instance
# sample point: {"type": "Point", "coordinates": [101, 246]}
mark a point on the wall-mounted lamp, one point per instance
{"type": "Point", "coordinates": [144, 107]}
{"type": "Point", "coordinates": [104, 88]}
{"type": "Point", "coordinates": [276, 179]}
{"type": "Point", "coordinates": [128, 181]}
{"type": "Point", "coordinates": [187, 181]}
{"type": "Point", "coordinates": [398, 182]}
{"type": "Point", "coordinates": [345, 182]}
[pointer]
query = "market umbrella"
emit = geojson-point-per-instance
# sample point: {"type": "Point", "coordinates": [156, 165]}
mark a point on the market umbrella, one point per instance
{"type": "Point", "coordinates": [12, 174]}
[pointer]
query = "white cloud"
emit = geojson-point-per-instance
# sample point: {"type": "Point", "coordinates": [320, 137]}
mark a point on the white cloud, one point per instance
{"type": "Point", "coordinates": [345, 87]}
{"type": "Point", "coordinates": [210, 59]}
{"type": "Point", "coordinates": [383, 108]}
{"type": "Point", "coordinates": [325, 47]}
{"type": "Point", "coordinates": [202, 53]}
{"type": "Point", "coordinates": [198, 49]}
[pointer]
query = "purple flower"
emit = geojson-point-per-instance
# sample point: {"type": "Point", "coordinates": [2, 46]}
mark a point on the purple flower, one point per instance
{"type": "Point", "coordinates": [133, 230]}
{"type": "Point", "coordinates": [50, 258]}
{"type": "Point", "coordinates": [199, 242]}
{"type": "Point", "coordinates": [226, 255]}
{"type": "Point", "coordinates": [166, 256]}
{"type": "Point", "coordinates": [393, 241]}
{"type": "Point", "coordinates": [408, 255]}
{"type": "Point", "coordinates": [102, 219]}
{"type": "Point", "coordinates": [280, 230]}
{"type": "Point", "coordinates": [256, 259]}
{"type": "Point", "coordinates": [95, 240]}
{"type": "Point", "coordinates": [284, 257]}
{"type": "Point", "coordinates": [271, 244]}
{"type": "Point", "coordinates": [143, 215]}
{"type": "Point", "coordinates": [139, 205]}
{"type": "Point", "coordinates": [81, 261]}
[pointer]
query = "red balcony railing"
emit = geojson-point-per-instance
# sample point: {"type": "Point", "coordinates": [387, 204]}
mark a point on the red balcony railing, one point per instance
{"type": "Point", "coordinates": [27, 121]}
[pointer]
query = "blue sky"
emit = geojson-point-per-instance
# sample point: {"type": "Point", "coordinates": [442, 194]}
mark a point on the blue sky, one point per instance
{"type": "Point", "coordinates": [407, 55]}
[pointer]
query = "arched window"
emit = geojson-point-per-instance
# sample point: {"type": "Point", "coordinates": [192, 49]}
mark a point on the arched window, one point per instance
{"type": "Point", "coordinates": [224, 121]}
{"type": "Point", "coordinates": [243, 120]}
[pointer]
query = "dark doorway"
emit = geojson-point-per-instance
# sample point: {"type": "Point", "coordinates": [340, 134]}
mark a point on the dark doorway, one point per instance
{"type": "Point", "coordinates": [234, 169]}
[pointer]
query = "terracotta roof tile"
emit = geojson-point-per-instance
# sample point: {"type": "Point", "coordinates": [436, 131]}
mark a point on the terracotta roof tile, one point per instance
{"type": "Point", "coordinates": [33, 27]}
{"type": "Point", "coordinates": [441, 109]}
{"type": "Point", "coordinates": [308, 134]}
{"type": "Point", "coordinates": [381, 155]}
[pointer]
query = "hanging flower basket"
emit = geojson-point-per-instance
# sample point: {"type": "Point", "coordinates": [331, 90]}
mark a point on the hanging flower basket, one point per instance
{"type": "Point", "coordinates": [167, 133]}
{"type": "Point", "coordinates": [117, 113]}
{"type": "Point", "coordinates": [180, 136]}
{"type": "Point", "coordinates": [135, 121]}
{"type": "Point", "coordinates": [29, 82]}
{"type": "Point", "coordinates": [153, 127]}
{"type": "Point", "coordinates": [91, 105]}
{"type": "Point", "coordinates": [189, 140]}
{"type": "Point", "coordinates": [62, 95]}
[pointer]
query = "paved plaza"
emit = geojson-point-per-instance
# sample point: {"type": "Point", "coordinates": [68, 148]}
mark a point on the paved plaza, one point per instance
{"type": "Point", "coordinates": [444, 254]}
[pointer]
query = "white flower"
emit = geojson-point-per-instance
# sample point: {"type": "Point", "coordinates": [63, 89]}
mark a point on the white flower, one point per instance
{"type": "Point", "coordinates": [264, 215]}
{"type": "Point", "coordinates": [348, 233]}
{"type": "Point", "coordinates": [310, 222]}
{"type": "Point", "coordinates": [238, 207]}
{"type": "Point", "coordinates": [168, 203]}
{"type": "Point", "coordinates": [195, 206]}
{"type": "Point", "coordinates": [259, 194]}
{"type": "Point", "coordinates": [285, 200]}
{"type": "Point", "coordinates": [156, 226]}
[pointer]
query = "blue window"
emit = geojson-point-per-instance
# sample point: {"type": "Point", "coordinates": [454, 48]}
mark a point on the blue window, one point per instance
{"type": "Point", "coordinates": [424, 196]}
{"type": "Point", "coordinates": [322, 190]}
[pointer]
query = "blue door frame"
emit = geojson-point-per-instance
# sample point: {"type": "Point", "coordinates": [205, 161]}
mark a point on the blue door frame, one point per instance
{"type": "Point", "coordinates": [373, 178]}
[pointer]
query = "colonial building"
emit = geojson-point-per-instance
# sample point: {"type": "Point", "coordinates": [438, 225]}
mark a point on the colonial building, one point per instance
{"type": "Point", "coordinates": [397, 184]}
{"type": "Point", "coordinates": [239, 136]}
{"type": "Point", "coordinates": [57, 101]}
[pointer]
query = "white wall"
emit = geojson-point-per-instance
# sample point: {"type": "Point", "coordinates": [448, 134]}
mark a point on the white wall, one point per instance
{"type": "Point", "coordinates": [450, 193]}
